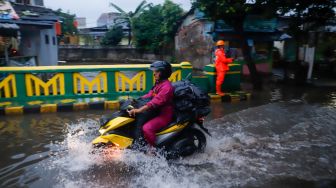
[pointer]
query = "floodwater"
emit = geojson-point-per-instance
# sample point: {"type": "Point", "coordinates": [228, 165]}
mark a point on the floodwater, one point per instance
{"type": "Point", "coordinates": [282, 137]}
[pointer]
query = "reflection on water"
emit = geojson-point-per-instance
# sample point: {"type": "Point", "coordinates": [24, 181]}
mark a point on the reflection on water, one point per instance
{"type": "Point", "coordinates": [274, 141]}
{"type": "Point", "coordinates": [285, 138]}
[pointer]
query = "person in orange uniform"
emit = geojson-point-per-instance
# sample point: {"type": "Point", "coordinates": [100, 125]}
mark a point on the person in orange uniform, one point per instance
{"type": "Point", "coordinates": [221, 63]}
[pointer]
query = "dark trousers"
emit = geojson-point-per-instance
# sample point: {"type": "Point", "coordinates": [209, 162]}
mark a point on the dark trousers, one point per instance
{"type": "Point", "coordinates": [140, 120]}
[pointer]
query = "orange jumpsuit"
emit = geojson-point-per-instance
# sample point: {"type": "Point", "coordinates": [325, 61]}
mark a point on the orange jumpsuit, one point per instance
{"type": "Point", "coordinates": [221, 63]}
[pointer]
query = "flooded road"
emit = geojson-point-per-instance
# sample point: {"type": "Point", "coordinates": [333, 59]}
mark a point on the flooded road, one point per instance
{"type": "Point", "coordinates": [282, 137]}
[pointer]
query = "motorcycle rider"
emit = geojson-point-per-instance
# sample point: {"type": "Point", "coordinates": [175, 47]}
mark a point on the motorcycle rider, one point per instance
{"type": "Point", "coordinates": [161, 102]}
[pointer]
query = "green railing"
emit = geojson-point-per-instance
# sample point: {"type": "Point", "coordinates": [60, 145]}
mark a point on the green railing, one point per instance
{"type": "Point", "coordinates": [47, 83]}
{"type": "Point", "coordinates": [232, 78]}
{"type": "Point", "coordinates": [63, 82]}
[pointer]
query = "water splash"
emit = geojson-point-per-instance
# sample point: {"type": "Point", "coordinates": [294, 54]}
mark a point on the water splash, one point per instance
{"type": "Point", "coordinates": [252, 153]}
{"type": "Point", "coordinates": [75, 150]}
{"type": "Point", "coordinates": [250, 148]}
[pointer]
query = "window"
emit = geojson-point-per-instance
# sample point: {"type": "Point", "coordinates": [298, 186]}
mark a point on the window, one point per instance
{"type": "Point", "coordinates": [46, 39]}
{"type": "Point", "coordinates": [54, 41]}
{"type": "Point", "coordinates": [23, 1]}
{"type": "Point", "coordinates": [39, 3]}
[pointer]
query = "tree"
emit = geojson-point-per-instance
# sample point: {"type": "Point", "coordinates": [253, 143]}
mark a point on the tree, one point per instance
{"type": "Point", "coordinates": [147, 29]}
{"type": "Point", "coordinates": [234, 13]}
{"type": "Point", "coordinates": [306, 16]}
{"type": "Point", "coordinates": [171, 14]}
{"type": "Point", "coordinates": [113, 36]}
{"type": "Point", "coordinates": [128, 17]}
{"type": "Point", "coordinates": [155, 28]}
{"type": "Point", "coordinates": [67, 22]}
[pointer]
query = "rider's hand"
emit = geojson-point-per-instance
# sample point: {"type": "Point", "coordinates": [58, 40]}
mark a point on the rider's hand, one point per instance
{"type": "Point", "coordinates": [132, 112]}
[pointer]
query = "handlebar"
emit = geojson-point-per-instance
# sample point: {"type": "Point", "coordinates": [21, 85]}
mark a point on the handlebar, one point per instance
{"type": "Point", "coordinates": [129, 108]}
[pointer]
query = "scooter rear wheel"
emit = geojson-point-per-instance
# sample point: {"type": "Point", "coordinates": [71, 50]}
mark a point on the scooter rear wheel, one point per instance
{"type": "Point", "coordinates": [199, 139]}
{"type": "Point", "coordinates": [192, 141]}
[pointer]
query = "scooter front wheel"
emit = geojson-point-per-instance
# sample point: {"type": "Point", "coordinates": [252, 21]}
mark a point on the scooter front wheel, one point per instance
{"type": "Point", "coordinates": [102, 145]}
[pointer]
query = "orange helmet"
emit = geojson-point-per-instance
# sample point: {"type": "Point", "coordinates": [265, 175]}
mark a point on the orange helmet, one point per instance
{"type": "Point", "coordinates": [220, 43]}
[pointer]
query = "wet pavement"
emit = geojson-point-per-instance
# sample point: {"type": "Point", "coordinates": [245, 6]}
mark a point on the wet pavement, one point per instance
{"type": "Point", "coordinates": [285, 136]}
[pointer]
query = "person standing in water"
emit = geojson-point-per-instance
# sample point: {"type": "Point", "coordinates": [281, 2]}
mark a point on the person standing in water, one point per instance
{"type": "Point", "coordinates": [221, 63]}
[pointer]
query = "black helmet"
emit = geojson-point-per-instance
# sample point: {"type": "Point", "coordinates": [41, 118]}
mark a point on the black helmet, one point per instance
{"type": "Point", "coordinates": [163, 67]}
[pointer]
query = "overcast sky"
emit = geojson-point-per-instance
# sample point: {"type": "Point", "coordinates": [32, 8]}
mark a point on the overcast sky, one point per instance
{"type": "Point", "coordinates": [91, 9]}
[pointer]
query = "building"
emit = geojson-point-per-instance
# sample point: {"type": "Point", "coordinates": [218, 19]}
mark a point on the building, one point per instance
{"type": "Point", "coordinates": [315, 52]}
{"type": "Point", "coordinates": [36, 42]}
{"type": "Point", "coordinates": [196, 36]}
{"type": "Point", "coordinates": [8, 32]}
{"type": "Point", "coordinates": [193, 39]}
{"type": "Point", "coordinates": [29, 2]}
{"type": "Point", "coordinates": [111, 19]}
{"type": "Point", "coordinates": [81, 21]}
{"type": "Point", "coordinates": [92, 36]}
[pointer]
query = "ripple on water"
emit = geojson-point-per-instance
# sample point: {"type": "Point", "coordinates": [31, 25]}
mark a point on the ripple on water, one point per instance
{"type": "Point", "coordinates": [18, 156]}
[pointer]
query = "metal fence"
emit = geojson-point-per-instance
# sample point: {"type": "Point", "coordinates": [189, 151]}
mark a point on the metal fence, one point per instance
{"type": "Point", "coordinates": [62, 82]}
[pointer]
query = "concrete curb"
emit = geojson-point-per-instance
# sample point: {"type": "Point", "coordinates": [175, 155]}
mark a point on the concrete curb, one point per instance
{"type": "Point", "coordinates": [59, 107]}
{"type": "Point", "coordinates": [69, 105]}
{"type": "Point", "coordinates": [231, 97]}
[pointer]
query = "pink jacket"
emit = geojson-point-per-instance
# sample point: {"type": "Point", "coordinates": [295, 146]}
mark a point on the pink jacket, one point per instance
{"type": "Point", "coordinates": [162, 96]}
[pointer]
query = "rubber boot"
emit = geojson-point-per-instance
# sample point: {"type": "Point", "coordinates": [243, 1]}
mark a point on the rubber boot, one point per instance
{"type": "Point", "coordinates": [219, 90]}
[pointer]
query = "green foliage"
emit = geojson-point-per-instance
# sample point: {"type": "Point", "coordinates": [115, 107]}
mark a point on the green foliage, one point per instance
{"type": "Point", "coordinates": [171, 14]}
{"type": "Point", "coordinates": [155, 28]}
{"type": "Point", "coordinates": [67, 22]}
{"type": "Point", "coordinates": [307, 15]}
{"type": "Point", "coordinates": [147, 30]}
{"type": "Point", "coordinates": [234, 12]}
{"type": "Point", "coordinates": [130, 16]}
{"type": "Point", "coordinates": [113, 36]}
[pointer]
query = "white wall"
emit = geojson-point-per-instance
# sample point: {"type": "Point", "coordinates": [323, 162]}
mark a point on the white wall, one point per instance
{"type": "Point", "coordinates": [48, 49]}
{"type": "Point", "coordinates": [33, 43]}
{"type": "Point", "coordinates": [30, 41]}
{"type": "Point", "coordinates": [280, 46]}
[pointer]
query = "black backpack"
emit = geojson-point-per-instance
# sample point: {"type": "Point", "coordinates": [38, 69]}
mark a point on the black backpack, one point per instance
{"type": "Point", "coordinates": [190, 99]}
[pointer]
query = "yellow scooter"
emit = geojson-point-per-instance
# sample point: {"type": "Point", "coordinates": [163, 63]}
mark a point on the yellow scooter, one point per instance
{"type": "Point", "coordinates": [183, 137]}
